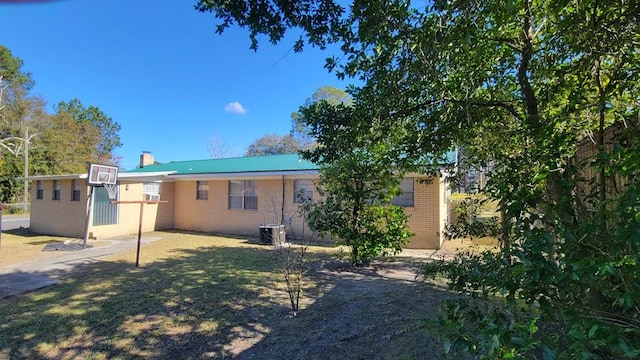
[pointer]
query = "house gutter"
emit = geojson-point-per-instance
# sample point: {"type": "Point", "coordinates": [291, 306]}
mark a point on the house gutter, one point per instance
{"type": "Point", "coordinates": [245, 175]}
{"type": "Point", "coordinates": [142, 176]}
{"type": "Point", "coordinates": [53, 177]}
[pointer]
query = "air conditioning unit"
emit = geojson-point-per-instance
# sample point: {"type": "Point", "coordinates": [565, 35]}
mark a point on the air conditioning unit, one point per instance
{"type": "Point", "coordinates": [152, 197]}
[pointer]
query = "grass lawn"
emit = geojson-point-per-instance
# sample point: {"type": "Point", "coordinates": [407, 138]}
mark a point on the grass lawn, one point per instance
{"type": "Point", "coordinates": [19, 245]}
{"type": "Point", "coordinates": [200, 296]}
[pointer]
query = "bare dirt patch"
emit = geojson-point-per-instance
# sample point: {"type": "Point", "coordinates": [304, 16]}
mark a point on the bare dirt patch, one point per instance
{"type": "Point", "coordinates": [383, 311]}
{"type": "Point", "coordinates": [201, 296]}
{"type": "Point", "coordinates": [378, 312]}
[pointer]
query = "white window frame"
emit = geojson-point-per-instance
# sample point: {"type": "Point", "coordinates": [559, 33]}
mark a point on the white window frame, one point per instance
{"type": "Point", "coordinates": [303, 191]}
{"type": "Point", "coordinates": [406, 198]}
{"type": "Point", "coordinates": [55, 193]}
{"type": "Point", "coordinates": [202, 190]}
{"type": "Point", "coordinates": [151, 191]}
{"type": "Point", "coordinates": [75, 190]}
{"type": "Point", "coordinates": [39, 190]}
{"type": "Point", "coordinates": [243, 194]}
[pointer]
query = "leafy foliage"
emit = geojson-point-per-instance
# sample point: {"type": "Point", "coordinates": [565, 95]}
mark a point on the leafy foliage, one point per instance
{"type": "Point", "coordinates": [467, 222]}
{"type": "Point", "coordinates": [333, 96]}
{"type": "Point", "coordinates": [63, 142]}
{"type": "Point", "coordinates": [531, 88]}
{"type": "Point", "coordinates": [359, 176]}
{"type": "Point", "coordinates": [11, 70]}
{"type": "Point", "coordinates": [273, 144]}
{"type": "Point", "coordinates": [93, 116]}
{"type": "Point", "coordinates": [356, 208]}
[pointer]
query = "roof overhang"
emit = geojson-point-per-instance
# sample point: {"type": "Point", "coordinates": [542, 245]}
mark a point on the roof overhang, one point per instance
{"type": "Point", "coordinates": [53, 177]}
{"type": "Point", "coordinates": [133, 177]}
{"type": "Point", "coordinates": [146, 176]}
{"type": "Point", "coordinates": [252, 175]}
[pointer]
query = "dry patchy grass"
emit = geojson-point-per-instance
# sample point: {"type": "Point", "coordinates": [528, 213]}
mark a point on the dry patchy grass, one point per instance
{"type": "Point", "coordinates": [18, 246]}
{"type": "Point", "coordinates": [202, 296]}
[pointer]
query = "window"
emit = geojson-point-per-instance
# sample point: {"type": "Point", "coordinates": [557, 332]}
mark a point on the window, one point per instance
{"type": "Point", "coordinates": [302, 191]}
{"type": "Point", "coordinates": [202, 190]}
{"type": "Point", "coordinates": [39, 190]}
{"type": "Point", "coordinates": [75, 190]}
{"type": "Point", "coordinates": [151, 191]}
{"type": "Point", "coordinates": [56, 190]}
{"type": "Point", "coordinates": [243, 195]}
{"type": "Point", "coordinates": [406, 197]}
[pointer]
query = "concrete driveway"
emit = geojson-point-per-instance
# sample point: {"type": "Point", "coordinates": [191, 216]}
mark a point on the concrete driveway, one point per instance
{"type": "Point", "coordinates": [32, 275]}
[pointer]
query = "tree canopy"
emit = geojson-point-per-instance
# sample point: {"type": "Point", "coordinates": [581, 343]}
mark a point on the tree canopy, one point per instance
{"type": "Point", "coordinates": [527, 86]}
{"type": "Point", "coordinates": [11, 70]}
{"type": "Point", "coordinates": [58, 143]}
{"type": "Point", "coordinates": [109, 138]}
{"type": "Point", "coordinates": [330, 94]}
{"type": "Point", "coordinates": [273, 144]}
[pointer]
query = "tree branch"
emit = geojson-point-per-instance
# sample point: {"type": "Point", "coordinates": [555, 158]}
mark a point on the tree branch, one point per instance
{"type": "Point", "coordinates": [493, 103]}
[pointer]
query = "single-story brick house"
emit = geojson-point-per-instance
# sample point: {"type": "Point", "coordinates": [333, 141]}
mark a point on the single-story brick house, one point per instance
{"type": "Point", "coordinates": [226, 196]}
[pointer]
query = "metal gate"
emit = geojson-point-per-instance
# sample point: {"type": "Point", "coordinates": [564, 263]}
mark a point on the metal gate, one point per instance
{"type": "Point", "coordinates": [104, 213]}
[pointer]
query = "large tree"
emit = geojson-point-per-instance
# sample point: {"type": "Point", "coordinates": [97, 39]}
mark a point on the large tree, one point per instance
{"type": "Point", "coordinates": [360, 172]}
{"type": "Point", "coordinates": [19, 113]}
{"type": "Point", "coordinates": [522, 86]}
{"type": "Point", "coordinates": [11, 70]}
{"type": "Point", "coordinates": [273, 144]}
{"type": "Point", "coordinates": [66, 145]}
{"type": "Point", "coordinates": [330, 94]}
{"type": "Point", "coordinates": [92, 115]}
{"type": "Point", "coordinates": [57, 143]}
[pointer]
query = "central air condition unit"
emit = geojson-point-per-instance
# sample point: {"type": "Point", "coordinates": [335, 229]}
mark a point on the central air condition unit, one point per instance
{"type": "Point", "coordinates": [272, 234]}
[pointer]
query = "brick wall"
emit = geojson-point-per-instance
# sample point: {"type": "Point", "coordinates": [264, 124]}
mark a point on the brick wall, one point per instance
{"type": "Point", "coordinates": [58, 217]}
{"type": "Point", "coordinates": [67, 218]}
{"type": "Point", "coordinates": [214, 215]}
{"type": "Point", "coordinates": [425, 217]}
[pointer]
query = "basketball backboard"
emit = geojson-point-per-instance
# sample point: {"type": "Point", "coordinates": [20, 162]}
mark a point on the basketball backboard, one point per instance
{"type": "Point", "coordinates": [102, 174]}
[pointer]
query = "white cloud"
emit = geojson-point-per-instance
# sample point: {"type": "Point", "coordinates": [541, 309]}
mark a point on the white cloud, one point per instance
{"type": "Point", "coordinates": [235, 108]}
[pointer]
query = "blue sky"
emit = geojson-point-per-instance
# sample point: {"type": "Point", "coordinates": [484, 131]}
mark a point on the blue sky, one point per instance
{"type": "Point", "coordinates": [158, 68]}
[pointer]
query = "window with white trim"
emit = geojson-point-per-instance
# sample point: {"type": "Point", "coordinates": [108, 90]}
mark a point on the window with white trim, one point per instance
{"type": "Point", "coordinates": [75, 190]}
{"type": "Point", "coordinates": [243, 195]}
{"type": "Point", "coordinates": [39, 190]}
{"type": "Point", "coordinates": [303, 191]}
{"type": "Point", "coordinates": [151, 191]}
{"type": "Point", "coordinates": [202, 190]}
{"type": "Point", "coordinates": [56, 190]}
{"type": "Point", "coordinates": [405, 199]}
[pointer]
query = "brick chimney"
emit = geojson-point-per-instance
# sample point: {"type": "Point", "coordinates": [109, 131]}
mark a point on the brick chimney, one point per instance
{"type": "Point", "coordinates": [146, 159]}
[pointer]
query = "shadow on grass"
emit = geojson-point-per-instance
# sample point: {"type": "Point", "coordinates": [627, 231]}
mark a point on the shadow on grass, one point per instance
{"type": "Point", "coordinates": [193, 305]}
{"type": "Point", "coordinates": [24, 232]}
{"type": "Point", "coordinates": [363, 314]}
{"type": "Point", "coordinates": [45, 242]}
{"type": "Point", "coordinates": [219, 302]}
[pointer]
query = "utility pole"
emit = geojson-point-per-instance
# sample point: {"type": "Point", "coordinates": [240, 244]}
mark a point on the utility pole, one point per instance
{"type": "Point", "coordinates": [26, 169]}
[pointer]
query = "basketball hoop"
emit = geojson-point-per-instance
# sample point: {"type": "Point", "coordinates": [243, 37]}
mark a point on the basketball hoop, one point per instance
{"type": "Point", "coordinates": [99, 175]}
{"type": "Point", "coordinates": [112, 190]}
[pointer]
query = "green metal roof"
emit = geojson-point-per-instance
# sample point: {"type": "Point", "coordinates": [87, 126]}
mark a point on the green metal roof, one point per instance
{"type": "Point", "coordinates": [289, 162]}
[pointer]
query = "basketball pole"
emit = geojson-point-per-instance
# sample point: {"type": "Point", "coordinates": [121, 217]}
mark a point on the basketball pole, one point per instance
{"type": "Point", "coordinates": [139, 221]}
{"type": "Point", "coordinates": [88, 219]}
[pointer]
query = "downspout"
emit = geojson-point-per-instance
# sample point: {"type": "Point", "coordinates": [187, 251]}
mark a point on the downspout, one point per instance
{"type": "Point", "coordinates": [282, 206]}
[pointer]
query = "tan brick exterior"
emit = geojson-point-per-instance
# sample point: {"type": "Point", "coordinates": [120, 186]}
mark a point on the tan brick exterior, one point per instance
{"type": "Point", "coordinates": [65, 217]}
{"type": "Point", "coordinates": [183, 212]}
{"type": "Point", "coordinates": [426, 216]}
{"type": "Point", "coordinates": [58, 217]}
{"type": "Point", "coordinates": [214, 215]}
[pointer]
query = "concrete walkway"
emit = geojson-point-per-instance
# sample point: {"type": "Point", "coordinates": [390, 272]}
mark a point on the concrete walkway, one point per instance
{"type": "Point", "coordinates": [36, 274]}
